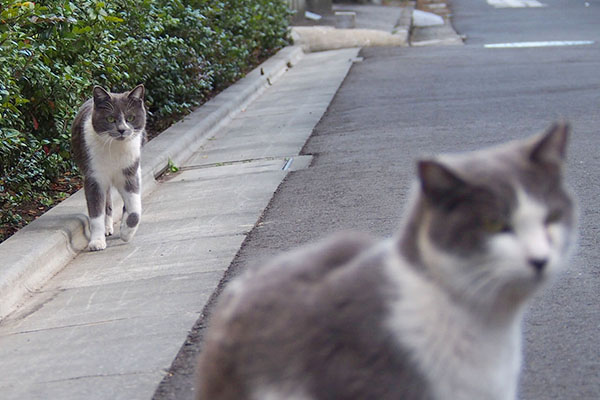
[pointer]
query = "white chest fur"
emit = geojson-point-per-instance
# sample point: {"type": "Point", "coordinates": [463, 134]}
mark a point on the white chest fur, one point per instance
{"type": "Point", "coordinates": [109, 157]}
{"type": "Point", "coordinates": [460, 356]}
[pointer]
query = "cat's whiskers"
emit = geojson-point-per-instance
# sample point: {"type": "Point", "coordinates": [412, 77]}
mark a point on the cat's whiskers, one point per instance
{"type": "Point", "coordinates": [107, 142]}
{"type": "Point", "coordinates": [484, 291]}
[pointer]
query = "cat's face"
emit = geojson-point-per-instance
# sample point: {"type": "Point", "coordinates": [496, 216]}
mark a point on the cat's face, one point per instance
{"type": "Point", "coordinates": [119, 116]}
{"type": "Point", "coordinates": [497, 223]}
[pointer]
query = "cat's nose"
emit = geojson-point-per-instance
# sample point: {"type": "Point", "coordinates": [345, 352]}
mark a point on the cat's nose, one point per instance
{"type": "Point", "coordinates": [538, 263]}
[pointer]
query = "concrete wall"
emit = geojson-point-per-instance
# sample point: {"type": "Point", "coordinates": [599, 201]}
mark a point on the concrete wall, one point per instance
{"type": "Point", "coordinates": [322, 7]}
{"type": "Point", "coordinates": [299, 6]}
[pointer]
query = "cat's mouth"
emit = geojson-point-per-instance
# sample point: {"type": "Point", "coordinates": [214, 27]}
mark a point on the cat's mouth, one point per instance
{"type": "Point", "coordinates": [121, 136]}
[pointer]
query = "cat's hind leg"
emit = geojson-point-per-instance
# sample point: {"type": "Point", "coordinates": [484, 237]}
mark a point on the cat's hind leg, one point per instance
{"type": "Point", "coordinates": [95, 196]}
{"type": "Point", "coordinates": [108, 218]}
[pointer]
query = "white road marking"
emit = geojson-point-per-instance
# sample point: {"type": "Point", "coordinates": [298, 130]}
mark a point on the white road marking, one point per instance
{"type": "Point", "coordinates": [515, 3]}
{"type": "Point", "coordinates": [533, 3]}
{"type": "Point", "coordinates": [555, 43]}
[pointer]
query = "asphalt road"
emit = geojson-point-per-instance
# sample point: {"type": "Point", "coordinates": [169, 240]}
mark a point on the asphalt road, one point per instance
{"type": "Point", "coordinates": [401, 103]}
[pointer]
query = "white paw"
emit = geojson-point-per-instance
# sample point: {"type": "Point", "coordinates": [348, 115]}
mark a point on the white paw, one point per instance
{"type": "Point", "coordinates": [97, 244]}
{"type": "Point", "coordinates": [127, 233]}
{"type": "Point", "coordinates": [108, 229]}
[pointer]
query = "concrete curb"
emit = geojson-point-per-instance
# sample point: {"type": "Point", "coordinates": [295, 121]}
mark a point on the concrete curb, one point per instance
{"type": "Point", "coordinates": [441, 35]}
{"type": "Point", "coordinates": [177, 143]}
{"type": "Point", "coordinates": [435, 35]}
{"type": "Point", "coordinates": [41, 249]}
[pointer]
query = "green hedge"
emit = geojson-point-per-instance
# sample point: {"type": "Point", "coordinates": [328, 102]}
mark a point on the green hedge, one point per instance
{"type": "Point", "coordinates": [53, 52]}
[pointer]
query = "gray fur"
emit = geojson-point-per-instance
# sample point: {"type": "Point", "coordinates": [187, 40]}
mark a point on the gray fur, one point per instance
{"type": "Point", "coordinates": [321, 322]}
{"type": "Point", "coordinates": [133, 219]}
{"type": "Point", "coordinates": [132, 181]}
{"type": "Point", "coordinates": [132, 170]}
{"type": "Point", "coordinates": [292, 289]}
{"type": "Point", "coordinates": [94, 197]}
{"type": "Point", "coordinates": [108, 209]}
{"type": "Point", "coordinates": [78, 149]}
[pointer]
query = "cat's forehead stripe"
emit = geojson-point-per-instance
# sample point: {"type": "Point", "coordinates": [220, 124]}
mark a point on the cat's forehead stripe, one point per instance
{"type": "Point", "coordinates": [528, 208]}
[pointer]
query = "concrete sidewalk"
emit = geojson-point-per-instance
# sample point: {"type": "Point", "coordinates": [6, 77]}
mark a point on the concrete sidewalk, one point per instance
{"type": "Point", "coordinates": [107, 325]}
{"type": "Point", "coordinates": [374, 26]}
{"type": "Point", "coordinates": [378, 26]}
{"type": "Point", "coordinates": [110, 323]}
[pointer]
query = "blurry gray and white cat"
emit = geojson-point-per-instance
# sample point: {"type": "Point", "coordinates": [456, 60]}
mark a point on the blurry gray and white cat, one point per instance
{"type": "Point", "coordinates": [433, 313]}
{"type": "Point", "coordinates": [106, 139]}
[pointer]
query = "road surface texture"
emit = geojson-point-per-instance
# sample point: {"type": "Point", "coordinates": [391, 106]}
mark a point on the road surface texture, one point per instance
{"type": "Point", "coordinates": [401, 103]}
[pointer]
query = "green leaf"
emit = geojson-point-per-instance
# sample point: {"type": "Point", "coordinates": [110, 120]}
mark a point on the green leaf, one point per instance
{"type": "Point", "coordinates": [112, 18]}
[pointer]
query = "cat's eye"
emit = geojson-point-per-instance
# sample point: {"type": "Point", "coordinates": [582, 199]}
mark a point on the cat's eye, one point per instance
{"type": "Point", "coordinates": [130, 118]}
{"type": "Point", "coordinates": [553, 217]}
{"type": "Point", "coordinates": [495, 225]}
{"type": "Point", "coordinates": [111, 119]}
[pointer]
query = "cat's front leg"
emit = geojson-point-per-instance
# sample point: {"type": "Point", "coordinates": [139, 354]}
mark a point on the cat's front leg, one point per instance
{"type": "Point", "coordinates": [95, 196]}
{"type": "Point", "coordinates": [132, 212]}
{"type": "Point", "coordinates": [132, 200]}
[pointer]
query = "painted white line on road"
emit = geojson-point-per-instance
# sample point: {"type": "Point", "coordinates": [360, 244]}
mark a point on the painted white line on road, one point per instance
{"type": "Point", "coordinates": [555, 43]}
{"type": "Point", "coordinates": [515, 3]}
{"type": "Point", "coordinates": [533, 3]}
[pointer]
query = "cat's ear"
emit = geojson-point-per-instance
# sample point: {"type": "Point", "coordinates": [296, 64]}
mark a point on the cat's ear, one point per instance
{"type": "Point", "coordinates": [100, 95]}
{"type": "Point", "coordinates": [550, 148]}
{"type": "Point", "coordinates": [438, 182]}
{"type": "Point", "coordinates": [137, 93]}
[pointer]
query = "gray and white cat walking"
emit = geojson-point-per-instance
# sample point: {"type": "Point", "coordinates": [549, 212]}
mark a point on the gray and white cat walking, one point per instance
{"type": "Point", "coordinates": [432, 313]}
{"type": "Point", "coordinates": [107, 136]}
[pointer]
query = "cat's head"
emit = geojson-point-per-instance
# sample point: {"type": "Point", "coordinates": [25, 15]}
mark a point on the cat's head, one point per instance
{"type": "Point", "coordinates": [498, 222]}
{"type": "Point", "coordinates": [120, 116]}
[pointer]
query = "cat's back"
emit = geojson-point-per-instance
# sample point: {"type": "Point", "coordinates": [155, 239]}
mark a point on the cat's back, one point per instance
{"type": "Point", "coordinates": [309, 326]}
{"type": "Point", "coordinates": [78, 149]}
